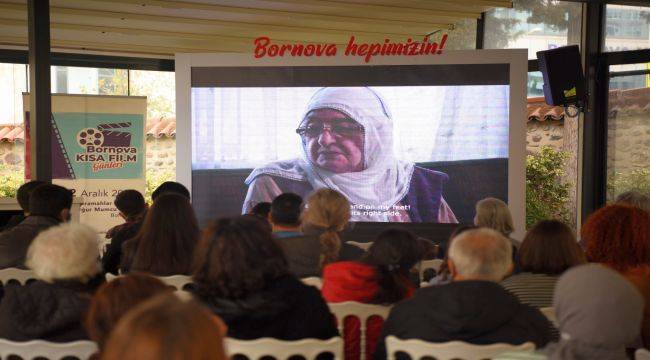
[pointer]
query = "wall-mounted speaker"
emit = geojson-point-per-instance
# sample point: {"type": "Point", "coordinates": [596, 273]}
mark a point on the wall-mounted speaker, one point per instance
{"type": "Point", "coordinates": [564, 81]}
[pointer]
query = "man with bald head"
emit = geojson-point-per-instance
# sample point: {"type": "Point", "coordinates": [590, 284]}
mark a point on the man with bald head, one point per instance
{"type": "Point", "coordinates": [473, 308]}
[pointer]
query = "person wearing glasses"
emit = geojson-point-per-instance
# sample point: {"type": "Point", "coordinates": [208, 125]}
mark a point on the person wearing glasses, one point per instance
{"type": "Point", "coordinates": [347, 145]}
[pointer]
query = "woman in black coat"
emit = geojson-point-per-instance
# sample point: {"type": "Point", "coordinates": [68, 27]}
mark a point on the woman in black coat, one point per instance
{"type": "Point", "coordinates": [241, 274]}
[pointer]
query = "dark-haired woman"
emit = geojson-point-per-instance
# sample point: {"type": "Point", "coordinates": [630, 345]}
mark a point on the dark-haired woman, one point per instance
{"type": "Point", "coordinates": [549, 248]}
{"type": "Point", "coordinates": [242, 275]}
{"type": "Point", "coordinates": [380, 277]}
{"type": "Point", "coordinates": [165, 244]}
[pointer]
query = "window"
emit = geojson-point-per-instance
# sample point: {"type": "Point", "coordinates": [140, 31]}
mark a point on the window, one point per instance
{"type": "Point", "coordinates": [84, 80]}
{"type": "Point", "coordinates": [535, 84]}
{"type": "Point", "coordinates": [627, 28]}
{"type": "Point", "coordinates": [534, 25]}
{"type": "Point", "coordinates": [463, 36]}
{"type": "Point", "coordinates": [13, 82]}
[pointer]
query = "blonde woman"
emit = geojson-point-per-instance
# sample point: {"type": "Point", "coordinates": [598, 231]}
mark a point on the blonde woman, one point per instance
{"type": "Point", "coordinates": [494, 214]}
{"type": "Point", "coordinates": [326, 215]}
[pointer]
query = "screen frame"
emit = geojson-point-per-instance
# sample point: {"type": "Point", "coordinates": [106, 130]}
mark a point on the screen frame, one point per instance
{"type": "Point", "coordinates": [518, 72]}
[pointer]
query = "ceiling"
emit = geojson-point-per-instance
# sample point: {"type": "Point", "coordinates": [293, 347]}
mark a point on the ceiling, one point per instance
{"type": "Point", "coordinates": [161, 28]}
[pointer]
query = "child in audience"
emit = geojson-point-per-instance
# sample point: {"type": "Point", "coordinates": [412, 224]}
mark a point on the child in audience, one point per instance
{"type": "Point", "coordinates": [619, 237]}
{"type": "Point", "coordinates": [64, 259]}
{"type": "Point", "coordinates": [131, 205]}
{"type": "Point", "coordinates": [165, 244]}
{"type": "Point", "coordinates": [380, 277]}
{"type": "Point", "coordinates": [167, 328]}
{"type": "Point", "coordinates": [113, 299]}
{"type": "Point", "coordinates": [241, 274]}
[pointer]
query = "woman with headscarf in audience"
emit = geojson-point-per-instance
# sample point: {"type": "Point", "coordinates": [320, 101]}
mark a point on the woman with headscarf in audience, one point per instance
{"type": "Point", "coordinates": [324, 219]}
{"type": "Point", "coordinates": [549, 248]}
{"type": "Point", "coordinates": [619, 237]}
{"type": "Point", "coordinates": [380, 277]}
{"type": "Point", "coordinates": [65, 260]}
{"type": "Point", "coordinates": [113, 299]}
{"type": "Point", "coordinates": [241, 274]}
{"type": "Point", "coordinates": [598, 314]}
{"type": "Point", "coordinates": [494, 214]}
{"type": "Point", "coordinates": [165, 244]}
{"type": "Point", "coordinates": [166, 327]}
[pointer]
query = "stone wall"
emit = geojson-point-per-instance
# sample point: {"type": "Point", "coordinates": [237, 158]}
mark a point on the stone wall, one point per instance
{"type": "Point", "coordinates": [628, 139]}
{"type": "Point", "coordinates": [12, 156]}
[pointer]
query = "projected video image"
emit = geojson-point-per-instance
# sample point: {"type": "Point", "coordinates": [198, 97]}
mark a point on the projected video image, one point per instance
{"type": "Point", "coordinates": [393, 151]}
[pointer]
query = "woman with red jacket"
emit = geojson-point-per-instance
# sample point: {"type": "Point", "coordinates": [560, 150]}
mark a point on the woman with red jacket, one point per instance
{"type": "Point", "coordinates": [381, 277]}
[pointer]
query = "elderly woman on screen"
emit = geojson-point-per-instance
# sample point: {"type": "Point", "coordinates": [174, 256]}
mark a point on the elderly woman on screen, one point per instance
{"type": "Point", "coordinates": [347, 142]}
{"type": "Point", "coordinates": [65, 260]}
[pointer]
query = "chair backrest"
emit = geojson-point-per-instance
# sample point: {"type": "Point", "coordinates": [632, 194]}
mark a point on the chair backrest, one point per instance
{"type": "Point", "coordinates": [417, 349]}
{"type": "Point", "coordinates": [363, 246]}
{"type": "Point", "coordinates": [361, 311]}
{"type": "Point", "coordinates": [20, 275]}
{"type": "Point", "coordinates": [313, 281]}
{"type": "Point", "coordinates": [434, 264]}
{"type": "Point", "coordinates": [549, 312]}
{"type": "Point", "coordinates": [642, 354]}
{"type": "Point", "coordinates": [28, 350]}
{"type": "Point", "coordinates": [281, 350]}
{"type": "Point", "coordinates": [177, 281]}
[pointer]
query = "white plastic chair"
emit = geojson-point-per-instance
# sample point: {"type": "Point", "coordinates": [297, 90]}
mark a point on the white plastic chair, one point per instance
{"type": "Point", "coordinates": [29, 350]}
{"type": "Point", "coordinates": [281, 350]}
{"type": "Point", "coordinates": [417, 349]}
{"type": "Point", "coordinates": [177, 281]}
{"type": "Point", "coordinates": [549, 312]}
{"type": "Point", "coordinates": [362, 246]}
{"type": "Point", "coordinates": [313, 281]}
{"type": "Point", "coordinates": [434, 264]}
{"type": "Point", "coordinates": [20, 275]}
{"type": "Point", "coordinates": [361, 311]}
{"type": "Point", "coordinates": [642, 354]}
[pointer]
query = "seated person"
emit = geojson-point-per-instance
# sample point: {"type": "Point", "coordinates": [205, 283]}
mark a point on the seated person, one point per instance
{"type": "Point", "coordinates": [22, 196]}
{"type": "Point", "coordinates": [549, 248]}
{"type": "Point", "coordinates": [114, 299]}
{"type": "Point", "coordinates": [165, 244]}
{"type": "Point", "coordinates": [132, 208]}
{"type": "Point", "coordinates": [167, 328]}
{"type": "Point", "coordinates": [473, 308]}
{"type": "Point", "coordinates": [64, 259]}
{"type": "Point", "coordinates": [241, 274]}
{"type": "Point", "coordinates": [49, 205]}
{"type": "Point", "coordinates": [323, 221]}
{"type": "Point", "coordinates": [261, 210]}
{"type": "Point", "coordinates": [634, 198]}
{"type": "Point", "coordinates": [346, 135]}
{"type": "Point", "coordinates": [494, 214]}
{"type": "Point", "coordinates": [380, 277]}
{"type": "Point", "coordinates": [285, 215]}
{"type": "Point", "coordinates": [171, 187]}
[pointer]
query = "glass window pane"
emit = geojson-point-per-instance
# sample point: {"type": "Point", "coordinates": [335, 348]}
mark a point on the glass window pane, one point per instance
{"type": "Point", "coordinates": [534, 25]}
{"type": "Point", "coordinates": [13, 83]}
{"type": "Point", "coordinates": [627, 28]}
{"type": "Point", "coordinates": [535, 84]}
{"type": "Point", "coordinates": [84, 80]}
{"type": "Point", "coordinates": [628, 135]}
{"type": "Point", "coordinates": [463, 36]}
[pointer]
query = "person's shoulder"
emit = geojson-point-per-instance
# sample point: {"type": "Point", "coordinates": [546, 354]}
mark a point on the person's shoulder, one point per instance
{"type": "Point", "coordinates": [424, 173]}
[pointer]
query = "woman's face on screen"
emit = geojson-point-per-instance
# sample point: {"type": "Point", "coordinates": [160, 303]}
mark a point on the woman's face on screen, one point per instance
{"type": "Point", "coordinates": [334, 141]}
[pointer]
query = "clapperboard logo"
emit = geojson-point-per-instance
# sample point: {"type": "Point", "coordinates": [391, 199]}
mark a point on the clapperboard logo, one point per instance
{"type": "Point", "coordinates": [107, 147]}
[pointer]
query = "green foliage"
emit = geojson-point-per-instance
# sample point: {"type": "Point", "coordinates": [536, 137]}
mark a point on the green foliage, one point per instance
{"type": "Point", "coordinates": [10, 181]}
{"type": "Point", "coordinates": [620, 182]}
{"type": "Point", "coordinates": [546, 195]}
{"type": "Point", "coordinates": [154, 179]}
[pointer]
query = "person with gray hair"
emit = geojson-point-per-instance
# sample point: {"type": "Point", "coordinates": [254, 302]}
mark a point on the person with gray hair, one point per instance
{"type": "Point", "coordinates": [634, 198]}
{"type": "Point", "coordinates": [65, 261]}
{"type": "Point", "coordinates": [473, 308]}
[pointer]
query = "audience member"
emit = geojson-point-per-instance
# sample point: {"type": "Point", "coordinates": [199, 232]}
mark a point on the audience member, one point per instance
{"type": "Point", "coordinates": [165, 244]}
{"type": "Point", "coordinates": [22, 196]}
{"type": "Point", "coordinates": [494, 214]}
{"type": "Point", "coordinates": [242, 275]}
{"type": "Point", "coordinates": [285, 215]}
{"type": "Point", "coordinates": [549, 248]}
{"type": "Point", "coordinates": [171, 187]}
{"type": "Point", "coordinates": [325, 218]}
{"type": "Point", "coordinates": [113, 299]}
{"type": "Point", "coordinates": [167, 328]}
{"type": "Point", "coordinates": [473, 307]}
{"type": "Point", "coordinates": [262, 210]}
{"type": "Point", "coordinates": [619, 237]}
{"type": "Point", "coordinates": [444, 276]}
{"type": "Point", "coordinates": [634, 198]}
{"type": "Point", "coordinates": [132, 208]}
{"type": "Point", "coordinates": [49, 205]}
{"type": "Point", "coordinates": [64, 259]}
{"type": "Point", "coordinates": [380, 277]}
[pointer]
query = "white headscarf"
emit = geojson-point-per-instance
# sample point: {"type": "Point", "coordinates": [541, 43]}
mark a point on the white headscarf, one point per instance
{"type": "Point", "coordinates": [384, 180]}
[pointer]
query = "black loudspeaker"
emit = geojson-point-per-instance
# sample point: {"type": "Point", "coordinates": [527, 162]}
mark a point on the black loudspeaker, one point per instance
{"type": "Point", "coordinates": [564, 81]}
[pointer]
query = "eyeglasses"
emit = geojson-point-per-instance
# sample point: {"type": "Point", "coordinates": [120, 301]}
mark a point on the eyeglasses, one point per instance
{"type": "Point", "coordinates": [314, 130]}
